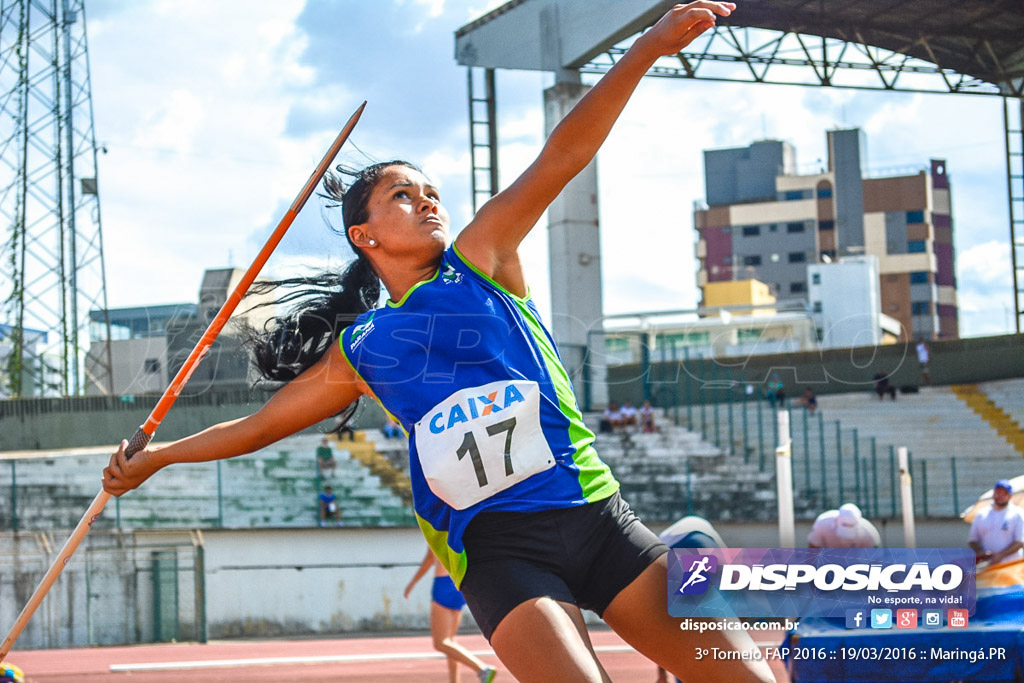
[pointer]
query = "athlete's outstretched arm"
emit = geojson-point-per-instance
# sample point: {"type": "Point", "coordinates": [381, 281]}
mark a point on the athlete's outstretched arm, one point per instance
{"type": "Point", "coordinates": [492, 238]}
{"type": "Point", "coordinates": [428, 562]}
{"type": "Point", "coordinates": [323, 390]}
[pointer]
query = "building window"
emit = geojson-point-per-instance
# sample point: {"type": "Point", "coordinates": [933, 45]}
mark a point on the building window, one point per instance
{"type": "Point", "coordinates": [791, 195]}
{"type": "Point", "coordinates": [748, 335]}
{"type": "Point", "coordinates": [915, 216]}
{"type": "Point", "coordinates": [919, 278]}
{"type": "Point", "coordinates": [826, 225]}
{"type": "Point", "coordinates": [921, 308]}
{"type": "Point", "coordinates": [751, 260]}
{"type": "Point", "coordinates": [795, 227]}
{"type": "Point", "coordinates": [916, 247]}
{"type": "Point", "coordinates": [616, 344]}
{"type": "Point", "coordinates": [797, 287]}
{"type": "Point", "coordinates": [151, 366]}
{"type": "Point", "coordinates": [816, 307]}
{"type": "Point", "coordinates": [815, 278]}
{"type": "Point", "coordinates": [797, 257]}
{"type": "Point", "coordinates": [751, 230]}
{"type": "Point", "coordinates": [772, 227]}
{"type": "Point", "coordinates": [825, 193]}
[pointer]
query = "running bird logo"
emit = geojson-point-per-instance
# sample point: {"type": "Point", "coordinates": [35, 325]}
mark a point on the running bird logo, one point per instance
{"type": "Point", "coordinates": [450, 276]}
{"type": "Point", "coordinates": [695, 581]}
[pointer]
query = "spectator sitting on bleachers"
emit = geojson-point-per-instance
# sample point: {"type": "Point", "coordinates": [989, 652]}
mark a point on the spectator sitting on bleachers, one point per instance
{"type": "Point", "coordinates": [775, 391]}
{"type": "Point", "coordinates": [629, 415]}
{"type": "Point", "coordinates": [809, 400]}
{"type": "Point", "coordinates": [647, 418]}
{"type": "Point", "coordinates": [390, 428]}
{"type": "Point", "coordinates": [342, 425]}
{"type": "Point", "coordinates": [329, 507]}
{"type": "Point", "coordinates": [611, 419]}
{"type": "Point", "coordinates": [325, 459]}
{"type": "Point", "coordinates": [882, 386]}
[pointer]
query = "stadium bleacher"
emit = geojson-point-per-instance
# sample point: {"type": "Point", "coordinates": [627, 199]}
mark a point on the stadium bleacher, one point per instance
{"type": "Point", "coordinates": [275, 487]}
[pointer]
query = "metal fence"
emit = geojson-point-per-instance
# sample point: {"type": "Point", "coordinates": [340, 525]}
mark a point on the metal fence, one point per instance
{"type": "Point", "coordinates": [833, 463]}
{"type": "Point", "coordinates": [119, 590]}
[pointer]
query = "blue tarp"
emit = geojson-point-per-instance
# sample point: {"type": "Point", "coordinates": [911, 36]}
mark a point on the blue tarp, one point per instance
{"type": "Point", "coordinates": [883, 655]}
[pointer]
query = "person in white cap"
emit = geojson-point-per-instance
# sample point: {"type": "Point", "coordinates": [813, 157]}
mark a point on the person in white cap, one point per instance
{"type": "Point", "coordinates": [843, 528]}
{"type": "Point", "coordinates": [997, 533]}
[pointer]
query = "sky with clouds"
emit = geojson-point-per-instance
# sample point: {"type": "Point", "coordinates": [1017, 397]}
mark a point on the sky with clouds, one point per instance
{"type": "Point", "coordinates": [213, 114]}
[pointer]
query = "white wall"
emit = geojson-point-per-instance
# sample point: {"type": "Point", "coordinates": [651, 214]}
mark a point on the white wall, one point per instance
{"type": "Point", "coordinates": [271, 582]}
{"type": "Point", "coordinates": [850, 301]}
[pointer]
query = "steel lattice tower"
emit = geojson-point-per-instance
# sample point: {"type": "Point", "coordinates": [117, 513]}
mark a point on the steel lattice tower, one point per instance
{"type": "Point", "coordinates": [51, 254]}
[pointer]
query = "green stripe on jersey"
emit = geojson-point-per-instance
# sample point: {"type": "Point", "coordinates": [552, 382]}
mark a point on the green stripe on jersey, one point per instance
{"type": "Point", "coordinates": [596, 479]}
{"type": "Point", "coordinates": [452, 561]}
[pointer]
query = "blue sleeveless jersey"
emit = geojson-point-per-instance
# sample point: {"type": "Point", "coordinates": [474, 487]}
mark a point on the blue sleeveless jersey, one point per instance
{"type": "Point", "coordinates": [472, 375]}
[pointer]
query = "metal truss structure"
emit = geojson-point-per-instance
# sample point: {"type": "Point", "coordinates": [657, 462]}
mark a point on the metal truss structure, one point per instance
{"type": "Point", "coordinates": [751, 55]}
{"type": "Point", "coordinates": [879, 45]}
{"type": "Point", "coordinates": [1013, 123]}
{"type": "Point", "coordinates": [51, 250]}
{"type": "Point", "coordinates": [483, 135]}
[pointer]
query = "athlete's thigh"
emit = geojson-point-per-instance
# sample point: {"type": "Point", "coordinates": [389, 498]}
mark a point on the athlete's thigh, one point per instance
{"type": "Point", "coordinates": [639, 614]}
{"type": "Point", "coordinates": [546, 640]}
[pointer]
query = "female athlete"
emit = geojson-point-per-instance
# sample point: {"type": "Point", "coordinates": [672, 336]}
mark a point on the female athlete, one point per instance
{"type": "Point", "coordinates": [508, 489]}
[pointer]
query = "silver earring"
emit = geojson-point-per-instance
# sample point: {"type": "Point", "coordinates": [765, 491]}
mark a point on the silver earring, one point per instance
{"type": "Point", "coordinates": [372, 243]}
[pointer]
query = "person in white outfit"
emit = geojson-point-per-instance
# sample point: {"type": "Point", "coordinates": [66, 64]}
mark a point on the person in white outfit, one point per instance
{"type": "Point", "coordinates": [843, 528]}
{"type": "Point", "coordinates": [997, 533]}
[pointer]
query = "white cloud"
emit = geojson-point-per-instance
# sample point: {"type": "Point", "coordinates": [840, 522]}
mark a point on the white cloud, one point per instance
{"type": "Point", "coordinates": [173, 122]}
{"type": "Point", "coordinates": [435, 8]}
{"type": "Point", "coordinates": [197, 103]}
{"type": "Point", "coordinates": [985, 264]}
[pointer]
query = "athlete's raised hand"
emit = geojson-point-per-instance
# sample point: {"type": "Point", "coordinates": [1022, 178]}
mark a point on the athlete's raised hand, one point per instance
{"type": "Point", "coordinates": [681, 25]}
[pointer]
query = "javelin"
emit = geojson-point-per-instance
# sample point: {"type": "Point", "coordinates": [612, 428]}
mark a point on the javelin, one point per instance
{"type": "Point", "coordinates": [146, 431]}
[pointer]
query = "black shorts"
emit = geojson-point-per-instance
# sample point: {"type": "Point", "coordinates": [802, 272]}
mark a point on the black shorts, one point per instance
{"type": "Point", "coordinates": [583, 555]}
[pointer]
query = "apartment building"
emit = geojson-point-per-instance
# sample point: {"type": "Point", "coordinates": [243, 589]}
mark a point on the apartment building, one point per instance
{"type": "Point", "coordinates": [763, 220]}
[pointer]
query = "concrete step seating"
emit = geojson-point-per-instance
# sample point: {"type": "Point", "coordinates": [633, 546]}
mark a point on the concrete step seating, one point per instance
{"type": "Point", "coordinates": [1007, 394]}
{"type": "Point", "coordinates": [276, 486]}
{"type": "Point", "coordinates": [934, 425]}
{"type": "Point", "coordinates": [673, 472]}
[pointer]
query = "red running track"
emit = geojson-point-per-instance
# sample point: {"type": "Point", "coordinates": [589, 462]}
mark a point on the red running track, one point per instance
{"type": "Point", "coordinates": [355, 660]}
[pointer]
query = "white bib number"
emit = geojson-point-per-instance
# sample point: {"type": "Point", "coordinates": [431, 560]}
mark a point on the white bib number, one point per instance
{"type": "Point", "coordinates": [482, 440]}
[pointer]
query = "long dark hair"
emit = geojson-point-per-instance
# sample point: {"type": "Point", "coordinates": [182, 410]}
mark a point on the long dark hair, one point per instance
{"type": "Point", "coordinates": [324, 303]}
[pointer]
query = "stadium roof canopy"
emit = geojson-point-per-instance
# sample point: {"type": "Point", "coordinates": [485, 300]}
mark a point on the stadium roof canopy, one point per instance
{"type": "Point", "coordinates": [982, 39]}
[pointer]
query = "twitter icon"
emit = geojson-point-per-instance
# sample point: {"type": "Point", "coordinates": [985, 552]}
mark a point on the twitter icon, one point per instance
{"type": "Point", "coordinates": [881, 618]}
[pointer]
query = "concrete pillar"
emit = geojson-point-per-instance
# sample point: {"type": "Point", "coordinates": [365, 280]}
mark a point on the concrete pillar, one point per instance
{"type": "Point", "coordinates": [574, 240]}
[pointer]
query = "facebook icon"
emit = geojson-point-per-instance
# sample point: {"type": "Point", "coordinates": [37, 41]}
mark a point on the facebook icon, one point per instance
{"type": "Point", "coordinates": [856, 618]}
